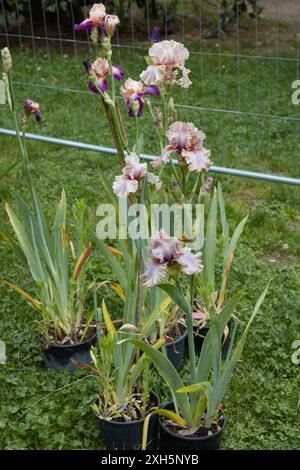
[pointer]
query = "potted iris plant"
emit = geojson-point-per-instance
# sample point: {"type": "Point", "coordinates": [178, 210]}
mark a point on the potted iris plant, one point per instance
{"type": "Point", "coordinates": [57, 265]}
{"type": "Point", "coordinates": [194, 420]}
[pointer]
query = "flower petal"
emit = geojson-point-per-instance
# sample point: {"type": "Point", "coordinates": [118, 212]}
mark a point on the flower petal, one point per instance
{"type": "Point", "coordinates": [154, 179]}
{"type": "Point", "coordinates": [184, 81]}
{"type": "Point", "coordinates": [197, 161]}
{"type": "Point", "coordinates": [155, 274]}
{"type": "Point", "coordinates": [191, 262]}
{"type": "Point", "coordinates": [134, 169]}
{"type": "Point", "coordinates": [163, 158]}
{"type": "Point", "coordinates": [123, 186]}
{"type": "Point", "coordinates": [92, 87]}
{"type": "Point", "coordinates": [130, 109]}
{"type": "Point", "coordinates": [86, 24]}
{"type": "Point", "coordinates": [97, 13]}
{"type": "Point", "coordinates": [165, 249]}
{"type": "Point", "coordinates": [152, 90]}
{"type": "Point", "coordinates": [153, 75]}
{"type": "Point", "coordinates": [118, 72]}
{"type": "Point", "coordinates": [170, 53]}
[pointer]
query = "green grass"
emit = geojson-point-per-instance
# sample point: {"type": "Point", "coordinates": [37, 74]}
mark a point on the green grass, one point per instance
{"type": "Point", "coordinates": [42, 409]}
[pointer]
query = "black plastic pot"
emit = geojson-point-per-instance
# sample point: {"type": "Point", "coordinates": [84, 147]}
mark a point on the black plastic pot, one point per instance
{"type": "Point", "coordinates": [118, 435]}
{"type": "Point", "coordinates": [175, 351]}
{"type": "Point", "coordinates": [59, 356]}
{"type": "Point", "coordinates": [172, 441]}
{"type": "Point", "coordinates": [199, 336]}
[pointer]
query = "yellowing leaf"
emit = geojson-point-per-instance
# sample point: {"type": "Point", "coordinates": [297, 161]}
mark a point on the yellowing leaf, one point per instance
{"type": "Point", "coordinates": [108, 322]}
{"type": "Point", "coordinates": [169, 414]}
{"type": "Point", "coordinates": [34, 302]}
{"type": "Point", "coordinates": [116, 287]}
{"type": "Point", "coordinates": [114, 251]}
{"type": "Point", "coordinates": [81, 261]}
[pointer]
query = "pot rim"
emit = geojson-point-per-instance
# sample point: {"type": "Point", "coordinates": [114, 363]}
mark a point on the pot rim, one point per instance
{"type": "Point", "coordinates": [123, 423]}
{"type": "Point", "coordinates": [64, 346]}
{"type": "Point", "coordinates": [171, 343]}
{"type": "Point", "coordinates": [200, 438]}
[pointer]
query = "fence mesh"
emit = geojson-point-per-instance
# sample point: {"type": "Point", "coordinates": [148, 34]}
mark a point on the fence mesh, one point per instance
{"type": "Point", "coordinates": [244, 76]}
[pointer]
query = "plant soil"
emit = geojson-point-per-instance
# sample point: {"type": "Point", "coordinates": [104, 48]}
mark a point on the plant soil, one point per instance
{"type": "Point", "coordinates": [129, 411]}
{"type": "Point", "coordinates": [68, 341]}
{"type": "Point", "coordinates": [175, 332]}
{"type": "Point", "coordinates": [201, 432]}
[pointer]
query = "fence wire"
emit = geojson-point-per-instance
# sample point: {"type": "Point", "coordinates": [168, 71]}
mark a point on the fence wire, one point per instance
{"type": "Point", "coordinates": [243, 99]}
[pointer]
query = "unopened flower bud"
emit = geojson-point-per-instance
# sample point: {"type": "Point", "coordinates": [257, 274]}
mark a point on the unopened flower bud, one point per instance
{"type": "Point", "coordinates": [148, 60]}
{"type": "Point", "coordinates": [111, 22]}
{"type": "Point", "coordinates": [6, 59]}
{"type": "Point", "coordinates": [106, 48]}
{"type": "Point", "coordinates": [176, 192]}
{"type": "Point", "coordinates": [205, 190]}
{"type": "Point", "coordinates": [94, 35]}
{"type": "Point", "coordinates": [158, 115]}
{"type": "Point", "coordinates": [135, 107]}
{"type": "Point", "coordinates": [206, 187]}
{"type": "Point", "coordinates": [173, 115]}
{"type": "Point", "coordinates": [108, 99]}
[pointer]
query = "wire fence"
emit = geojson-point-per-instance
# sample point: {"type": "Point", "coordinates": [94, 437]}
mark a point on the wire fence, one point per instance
{"type": "Point", "coordinates": [243, 98]}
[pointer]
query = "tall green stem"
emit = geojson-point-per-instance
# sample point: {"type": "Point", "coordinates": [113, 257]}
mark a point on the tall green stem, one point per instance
{"type": "Point", "coordinates": [165, 111]}
{"type": "Point", "coordinates": [113, 87]}
{"type": "Point", "coordinates": [137, 129]}
{"type": "Point", "coordinates": [21, 137]}
{"type": "Point", "coordinates": [191, 344]}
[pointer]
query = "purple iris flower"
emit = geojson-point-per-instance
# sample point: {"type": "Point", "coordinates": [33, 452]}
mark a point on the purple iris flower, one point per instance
{"type": "Point", "coordinates": [139, 97]}
{"type": "Point", "coordinates": [155, 34]}
{"type": "Point", "coordinates": [102, 84]}
{"type": "Point", "coordinates": [140, 109]}
{"type": "Point", "coordinates": [100, 71]}
{"type": "Point", "coordinates": [118, 72]}
{"type": "Point", "coordinates": [31, 107]}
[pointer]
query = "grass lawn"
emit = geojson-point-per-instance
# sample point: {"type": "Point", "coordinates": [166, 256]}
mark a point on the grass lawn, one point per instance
{"type": "Point", "coordinates": [42, 409]}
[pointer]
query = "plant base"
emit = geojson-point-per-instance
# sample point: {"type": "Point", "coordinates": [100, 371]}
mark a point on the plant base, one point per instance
{"type": "Point", "coordinates": [172, 441]}
{"type": "Point", "coordinates": [59, 356]}
{"type": "Point", "coordinates": [120, 435]}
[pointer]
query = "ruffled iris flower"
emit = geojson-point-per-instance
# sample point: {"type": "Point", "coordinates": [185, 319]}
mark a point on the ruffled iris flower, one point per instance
{"type": "Point", "coordinates": [96, 18]}
{"type": "Point", "coordinates": [30, 107]}
{"type": "Point", "coordinates": [133, 173]}
{"type": "Point", "coordinates": [155, 34]}
{"type": "Point", "coordinates": [166, 62]}
{"type": "Point", "coordinates": [133, 93]}
{"type": "Point", "coordinates": [99, 72]}
{"type": "Point", "coordinates": [99, 21]}
{"type": "Point", "coordinates": [167, 252]}
{"type": "Point", "coordinates": [186, 140]}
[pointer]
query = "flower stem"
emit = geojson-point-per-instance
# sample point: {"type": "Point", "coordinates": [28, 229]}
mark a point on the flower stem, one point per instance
{"type": "Point", "coordinates": [113, 87]}
{"type": "Point", "coordinates": [137, 129]}
{"type": "Point", "coordinates": [149, 106]}
{"type": "Point", "coordinates": [191, 344]}
{"type": "Point", "coordinates": [21, 137]}
{"type": "Point", "coordinates": [165, 112]}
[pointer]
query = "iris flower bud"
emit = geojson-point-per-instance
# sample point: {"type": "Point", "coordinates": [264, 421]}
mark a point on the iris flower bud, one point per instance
{"type": "Point", "coordinates": [6, 60]}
